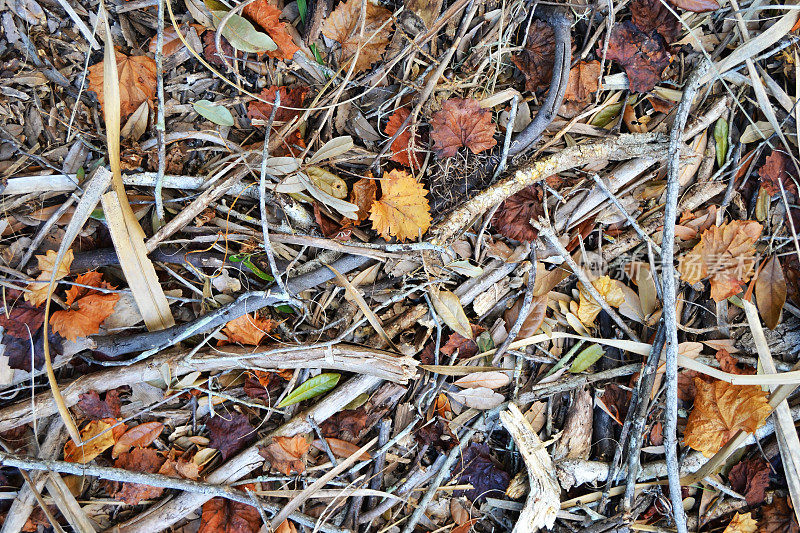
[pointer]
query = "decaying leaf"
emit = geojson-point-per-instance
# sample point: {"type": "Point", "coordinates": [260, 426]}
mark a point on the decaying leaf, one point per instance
{"type": "Point", "coordinates": [537, 58]}
{"type": "Point", "coordinates": [513, 217]}
{"type": "Point", "coordinates": [340, 448]}
{"type": "Point", "coordinates": [88, 308]}
{"type": "Point", "coordinates": [96, 409]}
{"type": "Point", "coordinates": [146, 460]}
{"type": "Point", "coordinates": [137, 81]}
{"type": "Point", "coordinates": [584, 79]}
{"type": "Point", "coordinates": [771, 292]}
{"type": "Point", "coordinates": [462, 122]}
{"type": "Point", "coordinates": [343, 26]}
{"type": "Point", "coordinates": [777, 168]}
{"type": "Point", "coordinates": [230, 432]}
{"type": "Point", "coordinates": [363, 195]}
{"type": "Point", "coordinates": [267, 16]}
{"type": "Point", "coordinates": [97, 437]}
{"type": "Point", "coordinates": [644, 56]}
{"type": "Point", "coordinates": [171, 41]}
{"type": "Point", "coordinates": [291, 103]}
{"type": "Point", "coordinates": [486, 475]}
{"type": "Point", "coordinates": [741, 523]}
{"type": "Point", "coordinates": [248, 329]}
{"type": "Point", "coordinates": [37, 291]}
{"type": "Point", "coordinates": [726, 254]}
{"type": "Point", "coordinates": [778, 517]}
{"type": "Point", "coordinates": [479, 397]}
{"type": "Point", "coordinates": [221, 515]}
{"type": "Point", "coordinates": [652, 15]}
{"type": "Point", "coordinates": [720, 410]}
{"type": "Point", "coordinates": [536, 316]}
{"type": "Point", "coordinates": [287, 454]}
{"type": "Point", "coordinates": [588, 308]}
{"type": "Point", "coordinates": [751, 478]}
{"type": "Point", "coordinates": [697, 6]}
{"type": "Point", "coordinates": [403, 150]}
{"type": "Point", "coordinates": [403, 210]}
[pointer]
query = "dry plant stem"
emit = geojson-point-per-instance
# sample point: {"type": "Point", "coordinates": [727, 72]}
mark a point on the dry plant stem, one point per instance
{"type": "Point", "coordinates": [576, 381]}
{"type": "Point", "coordinates": [169, 512]}
{"type": "Point", "coordinates": [621, 147]}
{"type": "Point", "coordinates": [546, 232]}
{"type": "Point", "coordinates": [524, 309]}
{"type": "Point", "coordinates": [669, 292]}
{"type": "Point", "coordinates": [44, 231]}
{"type": "Point", "coordinates": [161, 128]}
{"type": "Point", "coordinates": [635, 225]}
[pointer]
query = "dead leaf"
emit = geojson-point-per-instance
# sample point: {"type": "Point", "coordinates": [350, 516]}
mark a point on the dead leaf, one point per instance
{"type": "Point", "coordinates": [462, 122]}
{"type": "Point", "coordinates": [537, 58]}
{"type": "Point", "coordinates": [286, 527]}
{"type": "Point", "coordinates": [584, 79]}
{"type": "Point", "coordinates": [536, 316]}
{"type": "Point", "coordinates": [513, 217]}
{"type": "Point", "coordinates": [402, 146]}
{"type": "Point", "coordinates": [96, 440]}
{"type": "Point", "coordinates": [403, 210]}
{"type": "Point", "coordinates": [741, 523]}
{"type": "Point", "coordinates": [697, 6]}
{"type": "Point", "coordinates": [226, 53]}
{"type": "Point", "coordinates": [776, 169]}
{"type": "Point", "coordinates": [751, 479]}
{"type": "Point", "coordinates": [729, 364]}
{"type": "Point", "coordinates": [726, 254]}
{"type": "Point", "coordinates": [486, 475]}
{"type": "Point", "coordinates": [643, 56]}
{"type": "Point", "coordinates": [778, 517]}
{"type": "Point", "coordinates": [490, 380]}
{"type": "Point", "coordinates": [145, 460]}
{"type": "Point", "coordinates": [171, 41]}
{"type": "Point", "coordinates": [221, 515]}
{"type": "Point", "coordinates": [88, 308]}
{"type": "Point", "coordinates": [720, 410]}
{"type": "Point", "coordinates": [287, 454]}
{"type": "Point", "coordinates": [652, 15]}
{"type": "Point", "coordinates": [138, 436]}
{"type": "Point", "coordinates": [343, 26]}
{"type": "Point", "coordinates": [771, 292]}
{"type": "Point", "coordinates": [437, 434]}
{"type": "Point", "coordinates": [96, 409]}
{"type": "Point", "coordinates": [615, 401]}
{"type": "Point", "coordinates": [363, 195]}
{"type": "Point", "coordinates": [230, 433]}
{"type": "Point", "coordinates": [291, 103]}
{"type": "Point", "coordinates": [37, 291]}
{"type": "Point", "coordinates": [137, 81]}
{"type": "Point", "coordinates": [248, 329]}
{"type": "Point", "coordinates": [478, 398]}
{"type": "Point", "coordinates": [268, 17]}
{"type": "Point", "coordinates": [340, 448]}
{"type": "Point", "coordinates": [588, 309]}
{"type": "Point", "coordinates": [448, 307]}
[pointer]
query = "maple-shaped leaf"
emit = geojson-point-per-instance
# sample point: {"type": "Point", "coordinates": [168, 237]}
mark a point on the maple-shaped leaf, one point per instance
{"type": "Point", "coordinates": [644, 56]}
{"type": "Point", "coordinates": [137, 81]}
{"type": "Point", "coordinates": [462, 122]}
{"type": "Point", "coordinates": [403, 210]}
{"type": "Point", "coordinates": [652, 15]}
{"type": "Point", "coordinates": [726, 254]}
{"type": "Point", "coordinates": [751, 478]}
{"type": "Point", "coordinates": [144, 460]}
{"type": "Point", "coordinates": [402, 146]}
{"type": "Point", "coordinates": [478, 468]}
{"type": "Point", "coordinates": [230, 432]}
{"type": "Point", "coordinates": [778, 517]}
{"type": "Point", "coordinates": [588, 308]}
{"type": "Point", "coordinates": [537, 58]}
{"type": "Point", "coordinates": [513, 217]}
{"type": "Point", "coordinates": [363, 195]}
{"type": "Point", "coordinates": [720, 410]}
{"type": "Point", "coordinates": [584, 79]}
{"type": "Point", "coordinates": [286, 454]}
{"type": "Point", "coordinates": [97, 436]}
{"type": "Point", "coordinates": [221, 515]}
{"type": "Point", "coordinates": [96, 409]}
{"type": "Point", "coordinates": [268, 17]}
{"type": "Point", "coordinates": [741, 523]}
{"type": "Point", "coordinates": [344, 27]}
{"type": "Point", "coordinates": [777, 168]}
{"type": "Point", "coordinates": [37, 291]}
{"type": "Point", "coordinates": [88, 308]}
{"type": "Point", "coordinates": [697, 6]}
{"type": "Point", "coordinates": [248, 329]}
{"type": "Point", "coordinates": [171, 41]}
{"type": "Point", "coordinates": [291, 103]}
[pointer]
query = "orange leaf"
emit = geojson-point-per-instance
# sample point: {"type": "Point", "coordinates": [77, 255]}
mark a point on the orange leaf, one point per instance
{"type": "Point", "coordinates": [291, 103]}
{"type": "Point", "coordinates": [363, 195]}
{"type": "Point", "coordinates": [267, 16]}
{"type": "Point", "coordinates": [248, 329]}
{"type": "Point", "coordinates": [720, 410]}
{"type": "Point", "coordinates": [96, 440]}
{"type": "Point", "coordinates": [287, 454]}
{"type": "Point", "coordinates": [141, 436]}
{"type": "Point", "coordinates": [286, 527]}
{"type": "Point", "coordinates": [726, 254]}
{"type": "Point", "coordinates": [741, 523]}
{"type": "Point", "coordinates": [343, 26]}
{"type": "Point", "coordinates": [37, 291]}
{"type": "Point", "coordinates": [137, 81]}
{"type": "Point", "coordinates": [340, 448]}
{"type": "Point", "coordinates": [462, 122]}
{"type": "Point", "coordinates": [171, 41]}
{"type": "Point", "coordinates": [583, 81]}
{"type": "Point", "coordinates": [776, 169]}
{"type": "Point", "coordinates": [402, 146]}
{"type": "Point", "coordinates": [771, 292]}
{"type": "Point", "coordinates": [403, 209]}
{"type": "Point", "coordinates": [88, 308]}
{"type": "Point", "coordinates": [536, 60]}
{"type": "Point", "coordinates": [221, 515]}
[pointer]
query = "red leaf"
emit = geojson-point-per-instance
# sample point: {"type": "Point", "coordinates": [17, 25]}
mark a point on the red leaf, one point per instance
{"type": "Point", "coordinates": [536, 60]}
{"type": "Point", "coordinates": [291, 103]}
{"type": "Point", "coordinates": [226, 50]}
{"type": "Point", "coordinates": [751, 479]}
{"type": "Point", "coordinates": [268, 17]}
{"type": "Point", "coordinates": [513, 218]}
{"type": "Point", "coordinates": [776, 169]}
{"type": "Point", "coordinates": [138, 436]}
{"type": "Point", "coordinates": [698, 6]}
{"type": "Point", "coordinates": [230, 432]}
{"type": "Point", "coordinates": [650, 15]}
{"type": "Point", "coordinates": [221, 515]}
{"type": "Point", "coordinates": [402, 145]}
{"type": "Point", "coordinates": [462, 122]}
{"type": "Point", "coordinates": [644, 56]}
{"type": "Point", "coordinates": [145, 460]}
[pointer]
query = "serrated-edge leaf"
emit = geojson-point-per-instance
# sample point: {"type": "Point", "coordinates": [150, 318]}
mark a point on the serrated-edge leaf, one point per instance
{"type": "Point", "coordinates": [214, 112]}
{"type": "Point", "coordinates": [311, 388]}
{"type": "Point", "coordinates": [587, 358]}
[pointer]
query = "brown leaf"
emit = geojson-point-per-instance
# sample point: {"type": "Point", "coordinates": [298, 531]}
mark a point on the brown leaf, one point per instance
{"type": "Point", "coordinates": [644, 56]}
{"type": "Point", "coordinates": [96, 439]}
{"type": "Point", "coordinates": [584, 79]}
{"type": "Point", "coordinates": [332, 229]}
{"type": "Point", "coordinates": [771, 292]}
{"type": "Point", "coordinates": [96, 409]}
{"type": "Point", "coordinates": [537, 58]}
{"type": "Point", "coordinates": [741, 523]}
{"type": "Point", "coordinates": [37, 291]}
{"type": "Point", "coordinates": [479, 469]}
{"type": "Point", "coordinates": [403, 209]}
{"type": "Point", "coordinates": [137, 81]}
{"type": "Point", "coordinates": [268, 17]}
{"type": "Point", "coordinates": [287, 454]}
{"type": "Point", "coordinates": [363, 195]}
{"type": "Point", "coordinates": [138, 436]}
{"type": "Point", "coordinates": [145, 460]}
{"type": "Point", "coordinates": [650, 15]}
{"type": "Point", "coordinates": [221, 515]}
{"type": "Point", "coordinates": [778, 517]}
{"type": "Point", "coordinates": [698, 6]}
{"type": "Point", "coordinates": [226, 50]}
{"type": "Point", "coordinates": [751, 479]}
{"type": "Point", "coordinates": [340, 448]}
{"type": "Point", "coordinates": [437, 434]}
{"type": "Point", "coordinates": [462, 122]}
{"type": "Point", "coordinates": [286, 527]}
{"type": "Point", "coordinates": [726, 254]}
{"type": "Point", "coordinates": [729, 364]}
{"type": "Point", "coordinates": [465, 347]}
{"type": "Point", "coordinates": [230, 433]}
{"type": "Point", "coordinates": [402, 146]}
{"type": "Point", "coordinates": [720, 410]}
{"type": "Point", "coordinates": [536, 315]}
{"type": "Point", "coordinates": [615, 401]}
{"type": "Point", "coordinates": [291, 103]}
{"type": "Point", "coordinates": [171, 41]}
{"type": "Point", "coordinates": [346, 425]}
{"type": "Point", "coordinates": [248, 329]}
{"type": "Point", "coordinates": [513, 217]}
{"type": "Point", "coordinates": [777, 168]}
{"type": "Point", "coordinates": [88, 308]}
{"type": "Point", "coordinates": [343, 26]}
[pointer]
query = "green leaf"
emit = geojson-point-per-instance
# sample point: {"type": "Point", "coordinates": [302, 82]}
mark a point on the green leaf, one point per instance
{"type": "Point", "coordinates": [606, 115]}
{"type": "Point", "coordinates": [215, 113]}
{"type": "Point", "coordinates": [484, 342]}
{"type": "Point", "coordinates": [357, 402]}
{"type": "Point", "coordinates": [257, 271]}
{"type": "Point", "coordinates": [242, 35]}
{"type": "Point", "coordinates": [311, 388]}
{"type": "Point", "coordinates": [237, 258]}
{"type": "Point", "coordinates": [721, 138]}
{"type": "Point", "coordinates": [303, 9]}
{"type": "Point", "coordinates": [316, 53]}
{"type": "Point", "coordinates": [587, 358]}
{"type": "Point", "coordinates": [283, 308]}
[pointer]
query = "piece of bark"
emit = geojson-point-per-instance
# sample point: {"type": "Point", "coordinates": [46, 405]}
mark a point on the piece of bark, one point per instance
{"type": "Point", "coordinates": [576, 439]}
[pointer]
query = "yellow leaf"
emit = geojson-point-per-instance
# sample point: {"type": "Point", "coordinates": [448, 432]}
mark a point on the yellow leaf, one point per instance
{"type": "Point", "coordinates": [589, 308]}
{"type": "Point", "coordinates": [38, 290]}
{"type": "Point", "coordinates": [742, 523]}
{"type": "Point", "coordinates": [403, 209]}
{"type": "Point", "coordinates": [95, 441]}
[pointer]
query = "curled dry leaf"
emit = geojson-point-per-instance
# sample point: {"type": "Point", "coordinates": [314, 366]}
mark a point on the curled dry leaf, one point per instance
{"type": "Point", "coordinates": [720, 410]}
{"type": "Point", "coordinates": [741, 523]}
{"type": "Point", "coordinates": [37, 291]}
{"type": "Point", "coordinates": [137, 81]}
{"type": "Point", "coordinates": [776, 169]}
{"type": "Point", "coordinates": [771, 292]}
{"type": "Point", "coordinates": [513, 217]}
{"type": "Point", "coordinates": [363, 195]}
{"type": "Point", "coordinates": [726, 254]}
{"type": "Point", "coordinates": [403, 210]}
{"type": "Point", "coordinates": [652, 15]}
{"type": "Point", "coordinates": [343, 26]}
{"type": "Point", "coordinates": [221, 515]}
{"type": "Point", "coordinates": [778, 517]}
{"type": "Point", "coordinates": [248, 329]}
{"type": "Point", "coordinates": [537, 58]}
{"type": "Point", "coordinates": [138, 436]}
{"type": "Point", "coordinates": [268, 17]}
{"type": "Point", "coordinates": [462, 122]}
{"type": "Point", "coordinates": [286, 454]}
{"type": "Point", "coordinates": [291, 103]}
{"type": "Point", "coordinates": [751, 478]}
{"type": "Point", "coordinates": [588, 309]}
{"type": "Point", "coordinates": [403, 148]}
{"type": "Point", "coordinates": [644, 56]}
{"type": "Point", "coordinates": [490, 380]}
{"type": "Point", "coordinates": [88, 308]}
{"type": "Point", "coordinates": [96, 439]}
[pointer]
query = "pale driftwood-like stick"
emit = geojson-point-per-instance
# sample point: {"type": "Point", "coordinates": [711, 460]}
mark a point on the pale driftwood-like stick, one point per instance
{"type": "Point", "coordinates": [343, 357]}
{"type": "Point", "coordinates": [543, 501]}
{"type": "Point", "coordinates": [166, 513]}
